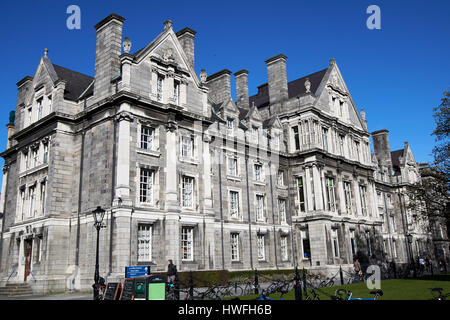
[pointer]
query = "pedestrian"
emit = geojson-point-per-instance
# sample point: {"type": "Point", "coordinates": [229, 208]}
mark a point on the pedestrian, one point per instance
{"type": "Point", "coordinates": [428, 264]}
{"type": "Point", "coordinates": [421, 264]}
{"type": "Point", "coordinates": [171, 272]}
{"type": "Point", "coordinates": [357, 267]}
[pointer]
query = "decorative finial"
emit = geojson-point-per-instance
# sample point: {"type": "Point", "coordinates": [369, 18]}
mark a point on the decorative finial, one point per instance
{"type": "Point", "coordinates": [332, 61]}
{"type": "Point", "coordinates": [203, 75]}
{"type": "Point", "coordinates": [308, 85]}
{"type": "Point", "coordinates": [363, 114]}
{"type": "Point", "coordinates": [45, 52]}
{"type": "Point", "coordinates": [167, 24]}
{"type": "Point", "coordinates": [126, 45]}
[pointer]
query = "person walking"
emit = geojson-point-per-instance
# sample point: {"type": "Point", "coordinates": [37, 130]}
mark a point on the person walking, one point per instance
{"type": "Point", "coordinates": [171, 272]}
{"type": "Point", "coordinates": [357, 267]}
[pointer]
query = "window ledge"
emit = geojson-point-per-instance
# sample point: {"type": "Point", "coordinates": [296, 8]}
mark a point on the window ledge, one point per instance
{"type": "Point", "coordinates": [234, 178]}
{"type": "Point", "coordinates": [259, 183]}
{"type": "Point", "coordinates": [189, 160]}
{"type": "Point", "coordinates": [33, 170]}
{"type": "Point", "coordinates": [152, 153]}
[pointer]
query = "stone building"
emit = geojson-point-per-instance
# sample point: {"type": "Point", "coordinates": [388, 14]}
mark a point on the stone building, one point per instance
{"type": "Point", "coordinates": [280, 179]}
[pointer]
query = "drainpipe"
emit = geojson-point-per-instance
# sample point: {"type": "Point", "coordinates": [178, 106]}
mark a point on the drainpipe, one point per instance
{"type": "Point", "coordinates": [248, 207]}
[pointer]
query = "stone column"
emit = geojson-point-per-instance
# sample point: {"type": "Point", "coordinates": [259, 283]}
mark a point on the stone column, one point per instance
{"type": "Point", "coordinates": [124, 120]}
{"type": "Point", "coordinates": [172, 221]}
{"type": "Point", "coordinates": [356, 195]}
{"type": "Point", "coordinates": [309, 193]}
{"type": "Point", "coordinates": [121, 255]}
{"type": "Point", "coordinates": [171, 167]}
{"type": "Point", "coordinates": [207, 174]}
{"type": "Point", "coordinates": [317, 188]}
{"type": "Point", "coordinates": [126, 61]}
{"type": "Point", "coordinates": [340, 186]}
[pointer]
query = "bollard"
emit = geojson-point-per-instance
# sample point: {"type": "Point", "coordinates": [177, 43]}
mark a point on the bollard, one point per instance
{"type": "Point", "coordinates": [341, 275]}
{"type": "Point", "coordinates": [304, 282]}
{"type": "Point", "coordinates": [177, 288]}
{"type": "Point", "coordinates": [298, 286]}
{"type": "Point", "coordinates": [256, 282]}
{"type": "Point", "coordinates": [191, 285]}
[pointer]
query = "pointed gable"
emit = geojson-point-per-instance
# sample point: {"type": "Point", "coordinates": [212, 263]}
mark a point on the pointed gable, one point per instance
{"type": "Point", "coordinates": [166, 48]}
{"type": "Point", "coordinates": [333, 84]}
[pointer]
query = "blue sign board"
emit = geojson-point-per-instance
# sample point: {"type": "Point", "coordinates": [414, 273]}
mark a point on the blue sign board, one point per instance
{"type": "Point", "coordinates": [136, 271]}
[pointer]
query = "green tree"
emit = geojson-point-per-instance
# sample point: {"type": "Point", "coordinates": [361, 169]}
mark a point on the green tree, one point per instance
{"type": "Point", "coordinates": [442, 149]}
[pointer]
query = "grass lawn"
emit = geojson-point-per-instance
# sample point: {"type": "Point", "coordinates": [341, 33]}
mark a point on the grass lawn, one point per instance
{"type": "Point", "coordinates": [397, 289]}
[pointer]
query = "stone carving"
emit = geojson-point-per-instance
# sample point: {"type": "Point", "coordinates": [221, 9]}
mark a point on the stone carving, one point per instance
{"type": "Point", "coordinates": [168, 55]}
{"type": "Point", "coordinates": [308, 85]}
{"type": "Point", "coordinates": [203, 75]}
{"type": "Point", "coordinates": [127, 45]}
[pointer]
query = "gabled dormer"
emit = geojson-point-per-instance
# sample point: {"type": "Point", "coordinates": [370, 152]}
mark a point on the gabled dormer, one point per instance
{"type": "Point", "coordinates": [334, 98]}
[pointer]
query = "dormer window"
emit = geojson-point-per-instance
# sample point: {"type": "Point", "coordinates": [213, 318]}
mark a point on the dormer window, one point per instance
{"type": "Point", "coordinates": [30, 115]}
{"type": "Point", "coordinates": [45, 156]}
{"type": "Point", "coordinates": [35, 157]}
{"type": "Point", "coordinates": [40, 106]}
{"type": "Point", "coordinates": [176, 92]}
{"type": "Point", "coordinates": [255, 134]}
{"type": "Point", "coordinates": [230, 126]}
{"type": "Point", "coordinates": [159, 88]}
{"type": "Point", "coordinates": [325, 139]}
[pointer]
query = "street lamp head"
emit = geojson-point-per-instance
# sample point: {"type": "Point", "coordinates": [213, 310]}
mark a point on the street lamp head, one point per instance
{"type": "Point", "coordinates": [410, 238]}
{"type": "Point", "coordinates": [98, 213]}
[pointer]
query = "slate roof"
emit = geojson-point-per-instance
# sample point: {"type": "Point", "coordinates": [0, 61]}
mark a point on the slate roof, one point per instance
{"type": "Point", "coordinates": [77, 82]}
{"type": "Point", "coordinates": [295, 88]}
{"type": "Point", "coordinates": [395, 157]}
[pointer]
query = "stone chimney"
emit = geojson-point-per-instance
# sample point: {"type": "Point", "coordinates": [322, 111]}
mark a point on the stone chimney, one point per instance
{"type": "Point", "coordinates": [107, 53]}
{"type": "Point", "coordinates": [219, 86]}
{"type": "Point", "coordinates": [381, 147]}
{"type": "Point", "coordinates": [241, 78]}
{"type": "Point", "coordinates": [11, 127]}
{"type": "Point", "coordinates": [186, 38]}
{"type": "Point", "coordinates": [277, 76]}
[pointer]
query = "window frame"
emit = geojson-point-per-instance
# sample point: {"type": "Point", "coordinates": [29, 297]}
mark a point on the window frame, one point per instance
{"type": "Point", "coordinates": [145, 231]}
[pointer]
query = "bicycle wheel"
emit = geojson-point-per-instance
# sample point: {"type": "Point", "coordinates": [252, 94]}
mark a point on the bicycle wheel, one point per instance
{"type": "Point", "coordinates": [237, 291]}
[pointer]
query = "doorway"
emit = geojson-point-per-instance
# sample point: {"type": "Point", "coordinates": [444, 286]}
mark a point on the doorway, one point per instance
{"type": "Point", "coordinates": [27, 255]}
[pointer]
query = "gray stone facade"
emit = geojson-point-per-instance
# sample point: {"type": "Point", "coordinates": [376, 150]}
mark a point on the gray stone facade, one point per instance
{"type": "Point", "coordinates": [281, 179]}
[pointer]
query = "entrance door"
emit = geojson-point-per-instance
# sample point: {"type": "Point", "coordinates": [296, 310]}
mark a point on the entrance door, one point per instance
{"type": "Point", "coordinates": [27, 254]}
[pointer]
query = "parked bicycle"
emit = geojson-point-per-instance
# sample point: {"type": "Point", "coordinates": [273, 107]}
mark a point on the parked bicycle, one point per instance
{"type": "Point", "coordinates": [344, 294]}
{"type": "Point", "coordinates": [438, 295]}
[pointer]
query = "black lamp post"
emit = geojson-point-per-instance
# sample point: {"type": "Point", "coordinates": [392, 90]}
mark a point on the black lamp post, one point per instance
{"type": "Point", "coordinates": [98, 214]}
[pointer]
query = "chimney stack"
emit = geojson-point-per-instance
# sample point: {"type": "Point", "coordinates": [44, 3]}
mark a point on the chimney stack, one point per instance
{"type": "Point", "coordinates": [241, 78]}
{"type": "Point", "coordinates": [381, 147]}
{"type": "Point", "coordinates": [186, 38]}
{"type": "Point", "coordinates": [276, 72]}
{"type": "Point", "coordinates": [107, 53]}
{"type": "Point", "coordinates": [219, 86]}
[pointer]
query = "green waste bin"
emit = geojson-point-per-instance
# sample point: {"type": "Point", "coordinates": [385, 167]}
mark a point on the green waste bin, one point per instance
{"type": "Point", "coordinates": [156, 288]}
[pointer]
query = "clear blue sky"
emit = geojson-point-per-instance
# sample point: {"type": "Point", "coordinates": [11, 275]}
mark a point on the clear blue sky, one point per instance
{"type": "Point", "coordinates": [397, 74]}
